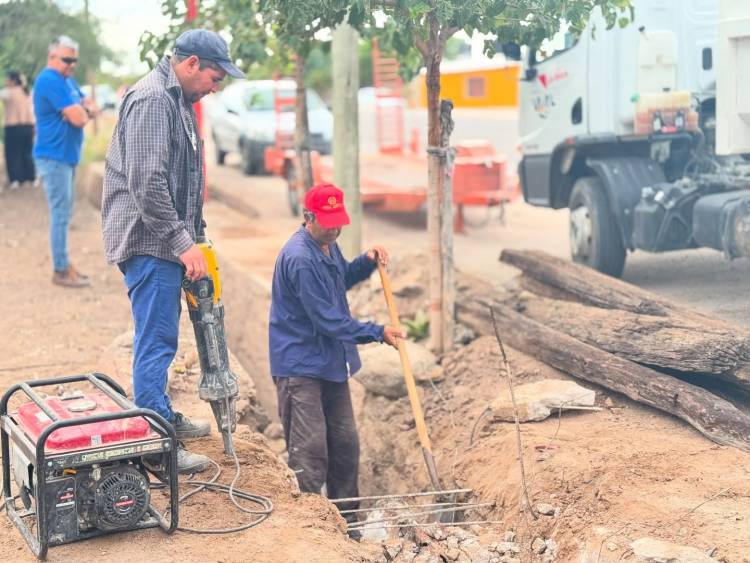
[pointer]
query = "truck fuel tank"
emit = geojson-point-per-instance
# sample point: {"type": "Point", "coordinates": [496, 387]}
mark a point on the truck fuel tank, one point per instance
{"type": "Point", "coordinates": [722, 221]}
{"type": "Point", "coordinates": [662, 219]}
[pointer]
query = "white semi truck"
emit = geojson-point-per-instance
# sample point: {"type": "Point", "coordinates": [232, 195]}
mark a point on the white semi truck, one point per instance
{"type": "Point", "coordinates": [640, 132]}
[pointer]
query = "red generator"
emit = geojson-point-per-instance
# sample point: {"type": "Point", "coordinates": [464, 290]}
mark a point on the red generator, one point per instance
{"type": "Point", "coordinates": [77, 462]}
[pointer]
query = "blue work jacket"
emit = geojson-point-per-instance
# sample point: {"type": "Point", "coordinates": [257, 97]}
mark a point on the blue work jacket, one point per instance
{"type": "Point", "coordinates": [311, 330]}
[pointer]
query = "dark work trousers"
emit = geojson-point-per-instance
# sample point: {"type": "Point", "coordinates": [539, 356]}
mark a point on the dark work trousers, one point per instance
{"type": "Point", "coordinates": [321, 436]}
{"type": "Point", "coordinates": [19, 140]}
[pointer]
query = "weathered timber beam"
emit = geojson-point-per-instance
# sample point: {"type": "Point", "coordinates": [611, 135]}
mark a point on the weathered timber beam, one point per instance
{"type": "Point", "coordinates": [672, 342]}
{"type": "Point", "coordinates": [592, 287]}
{"type": "Point", "coordinates": [712, 416]}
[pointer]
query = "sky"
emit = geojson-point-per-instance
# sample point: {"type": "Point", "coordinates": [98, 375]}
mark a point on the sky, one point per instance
{"type": "Point", "coordinates": [123, 22]}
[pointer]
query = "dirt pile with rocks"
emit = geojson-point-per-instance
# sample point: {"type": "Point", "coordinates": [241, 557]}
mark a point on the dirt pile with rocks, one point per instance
{"type": "Point", "coordinates": [619, 482]}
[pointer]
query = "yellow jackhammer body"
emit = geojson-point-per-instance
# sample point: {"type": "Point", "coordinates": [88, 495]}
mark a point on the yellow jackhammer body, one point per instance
{"type": "Point", "coordinates": [218, 385]}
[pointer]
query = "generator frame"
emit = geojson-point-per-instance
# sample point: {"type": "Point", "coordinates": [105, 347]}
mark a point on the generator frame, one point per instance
{"type": "Point", "coordinates": [46, 464]}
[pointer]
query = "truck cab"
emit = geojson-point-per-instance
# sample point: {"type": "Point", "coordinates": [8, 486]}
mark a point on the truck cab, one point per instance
{"type": "Point", "coordinates": [619, 126]}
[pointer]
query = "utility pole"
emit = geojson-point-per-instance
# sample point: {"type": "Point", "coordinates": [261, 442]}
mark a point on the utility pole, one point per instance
{"type": "Point", "coordinates": [346, 132]}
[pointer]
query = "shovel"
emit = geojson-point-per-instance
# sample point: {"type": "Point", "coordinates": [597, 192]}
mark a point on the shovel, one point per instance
{"type": "Point", "coordinates": [411, 388]}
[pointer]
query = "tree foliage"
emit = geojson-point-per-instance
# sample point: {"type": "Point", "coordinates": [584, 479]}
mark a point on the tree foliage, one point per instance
{"type": "Point", "coordinates": [28, 26]}
{"type": "Point", "coordinates": [238, 20]}
{"type": "Point", "coordinates": [264, 34]}
{"type": "Point", "coordinates": [297, 22]}
{"type": "Point", "coordinates": [416, 27]}
{"type": "Point", "coordinates": [524, 22]}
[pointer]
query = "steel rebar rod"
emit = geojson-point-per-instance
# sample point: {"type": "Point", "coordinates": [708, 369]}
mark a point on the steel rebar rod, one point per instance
{"type": "Point", "coordinates": [405, 507]}
{"type": "Point", "coordinates": [418, 525]}
{"type": "Point", "coordinates": [355, 525]}
{"type": "Point", "coordinates": [409, 495]}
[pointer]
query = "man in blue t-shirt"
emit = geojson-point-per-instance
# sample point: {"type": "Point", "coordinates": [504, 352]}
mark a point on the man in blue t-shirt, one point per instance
{"type": "Point", "coordinates": [61, 113]}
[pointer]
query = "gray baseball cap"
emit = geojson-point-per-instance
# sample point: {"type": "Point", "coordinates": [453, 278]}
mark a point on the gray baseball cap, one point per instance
{"type": "Point", "coordinates": [209, 46]}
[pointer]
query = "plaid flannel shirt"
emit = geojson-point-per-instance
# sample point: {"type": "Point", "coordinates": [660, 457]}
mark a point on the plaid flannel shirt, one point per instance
{"type": "Point", "coordinates": [153, 184]}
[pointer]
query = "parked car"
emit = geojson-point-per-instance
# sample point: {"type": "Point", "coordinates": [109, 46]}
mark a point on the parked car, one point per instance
{"type": "Point", "coordinates": [243, 120]}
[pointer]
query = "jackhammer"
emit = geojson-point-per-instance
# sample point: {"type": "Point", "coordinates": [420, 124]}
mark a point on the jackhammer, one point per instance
{"type": "Point", "coordinates": [218, 385]}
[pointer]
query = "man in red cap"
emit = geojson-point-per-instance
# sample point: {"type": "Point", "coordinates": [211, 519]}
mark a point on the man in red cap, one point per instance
{"type": "Point", "coordinates": [313, 346]}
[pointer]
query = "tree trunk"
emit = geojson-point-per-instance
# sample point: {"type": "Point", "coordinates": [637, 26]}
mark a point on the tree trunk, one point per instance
{"type": "Point", "coordinates": [435, 186]}
{"type": "Point", "coordinates": [712, 416]}
{"type": "Point", "coordinates": [346, 132]}
{"type": "Point", "coordinates": [302, 128]}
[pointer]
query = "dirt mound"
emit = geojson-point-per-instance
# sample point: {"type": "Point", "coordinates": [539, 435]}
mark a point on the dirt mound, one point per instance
{"type": "Point", "coordinates": [50, 331]}
{"type": "Point", "coordinates": [607, 478]}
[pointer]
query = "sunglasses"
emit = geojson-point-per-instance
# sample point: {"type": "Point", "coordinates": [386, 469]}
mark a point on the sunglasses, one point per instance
{"type": "Point", "coordinates": [69, 60]}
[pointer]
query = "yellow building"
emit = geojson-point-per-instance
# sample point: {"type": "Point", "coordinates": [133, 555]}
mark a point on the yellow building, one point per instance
{"type": "Point", "coordinates": [474, 84]}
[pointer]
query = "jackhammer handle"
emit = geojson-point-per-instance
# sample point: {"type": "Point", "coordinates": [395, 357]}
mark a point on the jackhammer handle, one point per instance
{"type": "Point", "coordinates": [411, 387]}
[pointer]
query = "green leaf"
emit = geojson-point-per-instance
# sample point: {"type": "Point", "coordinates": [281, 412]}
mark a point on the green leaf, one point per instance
{"type": "Point", "coordinates": [417, 327]}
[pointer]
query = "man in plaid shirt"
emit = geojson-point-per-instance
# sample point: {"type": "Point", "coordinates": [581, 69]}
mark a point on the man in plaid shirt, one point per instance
{"type": "Point", "coordinates": [152, 212]}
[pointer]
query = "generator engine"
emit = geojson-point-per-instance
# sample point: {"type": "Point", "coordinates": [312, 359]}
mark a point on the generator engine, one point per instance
{"type": "Point", "coordinates": [77, 463]}
{"type": "Point", "coordinates": [112, 498]}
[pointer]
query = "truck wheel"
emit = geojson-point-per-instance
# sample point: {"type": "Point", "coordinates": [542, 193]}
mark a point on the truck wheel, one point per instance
{"type": "Point", "coordinates": [248, 159]}
{"type": "Point", "coordinates": [595, 238]}
{"type": "Point", "coordinates": [292, 189]}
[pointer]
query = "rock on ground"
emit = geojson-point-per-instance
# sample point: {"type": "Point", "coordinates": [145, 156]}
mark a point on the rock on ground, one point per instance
{"type": "Point", "coordinates": [381, 372]}
{"type": "Point", "coordinates": [651, 550]}
{"type": "Point", "coordinates": [536, 401]}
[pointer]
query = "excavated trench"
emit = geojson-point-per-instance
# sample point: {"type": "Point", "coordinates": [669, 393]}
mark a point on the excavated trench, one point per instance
{"type": "Point", "coordinates": [391, 458]}
{"type": "Point", "coordinates": [601, 483]}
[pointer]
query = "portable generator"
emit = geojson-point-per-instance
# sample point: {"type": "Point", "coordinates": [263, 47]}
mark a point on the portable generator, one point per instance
{"type": "Point", "coordinates": [83, 463]}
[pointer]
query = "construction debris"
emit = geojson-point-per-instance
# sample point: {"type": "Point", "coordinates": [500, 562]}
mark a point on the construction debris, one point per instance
{"type": "Point", "coordinates": [606, 474]}
{"type": "Point", "coordinates": [580, 341]}
{"type": "Point", "coordinates": [651, 550]}
{"type": "Point", "coordinates": [538, 400]}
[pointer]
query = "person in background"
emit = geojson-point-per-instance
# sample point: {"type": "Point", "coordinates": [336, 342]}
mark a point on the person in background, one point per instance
{"type": "Point", "coordinates": [19, 130]}
{"type": "Point", "coordinates": [61, 113]}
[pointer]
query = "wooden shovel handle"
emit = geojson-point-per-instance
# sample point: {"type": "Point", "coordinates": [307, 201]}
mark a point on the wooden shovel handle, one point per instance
{"type": "Point", "coordinates": [411, 387]}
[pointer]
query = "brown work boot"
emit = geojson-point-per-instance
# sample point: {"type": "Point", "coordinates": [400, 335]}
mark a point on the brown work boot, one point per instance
{"type": "Point", "coordinates": [71, 278]}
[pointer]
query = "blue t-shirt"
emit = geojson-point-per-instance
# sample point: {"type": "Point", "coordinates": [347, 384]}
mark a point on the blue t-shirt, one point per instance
{"type": "Point", "coordinates": [56, 139]}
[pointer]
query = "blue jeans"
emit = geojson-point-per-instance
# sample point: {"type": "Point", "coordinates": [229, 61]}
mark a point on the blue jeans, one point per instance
{"type": "Point", "coordinates": [154, 290]}
{"type": "Point", "coordinates": [58, 186]}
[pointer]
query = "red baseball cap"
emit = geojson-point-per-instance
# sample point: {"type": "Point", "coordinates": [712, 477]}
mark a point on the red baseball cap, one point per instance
{"type": "Point", "coordinates": [326, 202]}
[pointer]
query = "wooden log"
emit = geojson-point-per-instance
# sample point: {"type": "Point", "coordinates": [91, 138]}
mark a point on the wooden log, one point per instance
{"type": "Point", "coordinates": [589, 286]}
{"type": "Point", "coordinates": [712, 416]}
{"type": "Point", "coordinates": [657, 332]}
{"type": "Point", "coordinates": [672, 342]}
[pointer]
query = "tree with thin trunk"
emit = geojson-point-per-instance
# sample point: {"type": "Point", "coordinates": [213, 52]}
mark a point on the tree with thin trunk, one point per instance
{"type": "Point", "coordinates": [296, 23]}
{"type": "Point", "coordinates": [418, 30]}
